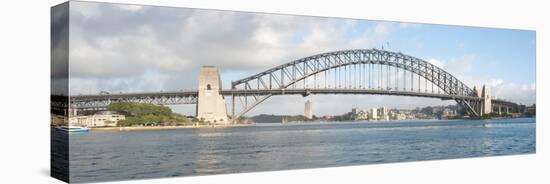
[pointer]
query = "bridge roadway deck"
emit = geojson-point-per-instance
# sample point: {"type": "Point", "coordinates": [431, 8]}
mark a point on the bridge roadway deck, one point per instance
{"type": "Point", "coordinates": [237, 92]}
{"type": "Point", "coordinates": [190, 97]}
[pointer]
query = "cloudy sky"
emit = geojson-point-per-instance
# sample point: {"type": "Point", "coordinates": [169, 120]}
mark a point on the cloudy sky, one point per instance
{"type": "Point", "coordinates": [129, 48]}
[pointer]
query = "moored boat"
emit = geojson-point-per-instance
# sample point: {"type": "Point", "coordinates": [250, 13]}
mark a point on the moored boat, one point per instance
{"type": "Point", "coordinates": [72, 129]}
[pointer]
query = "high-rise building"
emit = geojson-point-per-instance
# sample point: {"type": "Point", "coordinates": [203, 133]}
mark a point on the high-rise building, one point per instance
{"type": "Point", "coordinates": [308, 110]}
{"type": "Point", "coordinates": [373, 115]}
{"type": "Point", "coordinates": [383, 113]}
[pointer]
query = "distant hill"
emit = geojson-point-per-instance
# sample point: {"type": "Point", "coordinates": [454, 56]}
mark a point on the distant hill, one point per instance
{"type": "Point", "coordinates": [267, 118]}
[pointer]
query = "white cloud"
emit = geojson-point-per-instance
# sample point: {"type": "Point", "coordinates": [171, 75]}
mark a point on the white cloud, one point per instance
{"type": "Point", "coordinates": [524, 93]}
{"type": "Point", "coordinates": [132, 8]}
{"type": "Point", "coordinates": [462, 68]}
{"type": "Point", "coordinates": [435, 62]}
{"type": "Point", "coordinates": [496, 82]}
{"type": "Point", "coordinates": [516, 92]}
{"type": "Point", "coordinates": [459, 67]}
{"type": "Point", "coordinates": [247, 43]}
{"type": "Point", "coordinates": [126, 55]}
{"type": "Point", "coordinates": [88, 10]}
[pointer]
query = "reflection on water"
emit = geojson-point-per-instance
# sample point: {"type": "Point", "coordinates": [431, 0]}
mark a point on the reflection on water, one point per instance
{"type": "Point", "coordinates": [101, 156]}
{"type": "Point", "coordinates": [59, 155]}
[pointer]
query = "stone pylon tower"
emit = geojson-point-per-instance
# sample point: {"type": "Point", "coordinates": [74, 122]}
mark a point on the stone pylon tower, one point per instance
{"type": "Point", "coordinates": [211, 103]}
{"type": "Point", "coordinates": [486, 105]}
{"type": "Point", "coordinates": [478, 107]}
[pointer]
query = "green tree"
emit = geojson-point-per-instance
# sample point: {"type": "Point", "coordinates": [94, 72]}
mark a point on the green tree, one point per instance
{"type": "Point", "coordinates": [140, 114]}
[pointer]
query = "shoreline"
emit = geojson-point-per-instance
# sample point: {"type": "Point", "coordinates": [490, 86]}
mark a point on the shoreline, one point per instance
{"type": "Point", "coordinates": [393, 120]}
{"type": "Point", "coordinates": [148, 128]}
{"type": "Point", "coordinates": [153, 128]}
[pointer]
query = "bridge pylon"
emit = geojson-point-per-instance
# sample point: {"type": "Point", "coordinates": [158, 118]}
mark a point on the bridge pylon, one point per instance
{"type": "Point", "coordinates": [211, 103]}
{"type": "Point", "coordinates": [477, 105]}
{"type": "Point", "coordinates": [487, 107]}
{"type": "Point", "coordinates": [484, 106]}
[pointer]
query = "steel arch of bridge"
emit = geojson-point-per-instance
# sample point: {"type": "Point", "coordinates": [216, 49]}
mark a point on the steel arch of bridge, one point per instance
{"type": "Point", "coordinates": [286, 76]}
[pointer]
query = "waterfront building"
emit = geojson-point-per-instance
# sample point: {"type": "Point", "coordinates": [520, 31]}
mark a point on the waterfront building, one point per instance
{"type": "Point", "coordinates": [359, 114]}
{"type": "Point", "coordinates": [393, 115]}
{"type": "Point", "coordinates": [373, 115]}
{"type": "Point", "coordinates": [362, 115]}
{"type": "Point", "coordinates": [101, 119]}
{"type": "Point", "coordinates": [383, 113]}
{"type": "Point", "coordinates": [400, 116]}
{"type": "Point", "coordinates": [308, 110]}
{"type": "Point", "coordinates": [447, 113]}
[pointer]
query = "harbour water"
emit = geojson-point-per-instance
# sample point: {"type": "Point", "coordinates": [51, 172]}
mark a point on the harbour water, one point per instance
{"type": "Point", "coordinates": [102, 156]}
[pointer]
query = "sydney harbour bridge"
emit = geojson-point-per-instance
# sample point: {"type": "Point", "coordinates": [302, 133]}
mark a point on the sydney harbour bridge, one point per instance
{"type": "Point", "coordinates": [346, 72]}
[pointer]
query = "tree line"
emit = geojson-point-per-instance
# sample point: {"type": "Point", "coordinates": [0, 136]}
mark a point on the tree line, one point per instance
{"type": "Point", "coordinates": [147, 115]}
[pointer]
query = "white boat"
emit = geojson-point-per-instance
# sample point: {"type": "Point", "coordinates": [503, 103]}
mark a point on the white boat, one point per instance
{"type": "Point", "coordinates": [72, 129]}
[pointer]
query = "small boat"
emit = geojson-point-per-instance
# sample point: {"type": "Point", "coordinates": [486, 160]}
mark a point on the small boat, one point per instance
{"type": "Point", "coordinates": [72, 129]}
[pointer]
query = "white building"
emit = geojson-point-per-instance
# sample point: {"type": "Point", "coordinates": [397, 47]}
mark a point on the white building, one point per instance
{"type": "Point", "coordinates": [308, 110]}
{"type": "Point", "coordinates": [373, 114]}
{"type": "Point", "coordinates": [102, 119]}
{"type": "Point", "coordinates": [448, 113]}
{"type": "Point", "coordinates": [400, 116]}
{"type": "Point", "coordinates": [383, 113]}
{"type": "Point", "coordinates": [362, 115]}
{"type": "Point", "coordinates": [359, 114]}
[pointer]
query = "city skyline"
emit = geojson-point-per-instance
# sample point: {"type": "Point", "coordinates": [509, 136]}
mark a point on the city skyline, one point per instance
{"type": "Point", "coordinates": [131, 48]}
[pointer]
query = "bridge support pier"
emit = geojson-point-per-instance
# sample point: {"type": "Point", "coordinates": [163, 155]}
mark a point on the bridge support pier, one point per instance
{"type": "Point", "coordinates": [478, 106]}
{"type": "Point", "coordinates": [484, 106]}
{"type": "Point", "coordinates": [487, 104]}
{"type": "Point", "coordinates": [211, 103]}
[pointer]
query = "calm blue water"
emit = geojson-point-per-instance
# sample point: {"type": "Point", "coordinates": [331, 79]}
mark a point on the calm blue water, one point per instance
{"type": "Point", "coordinates": [101, 156]}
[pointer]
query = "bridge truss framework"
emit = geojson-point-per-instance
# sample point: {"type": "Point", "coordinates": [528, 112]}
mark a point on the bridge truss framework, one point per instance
{"type": "Point", "coordinates": [365, 71]}
{"type": "Point", "coordinates": [366, 67]}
